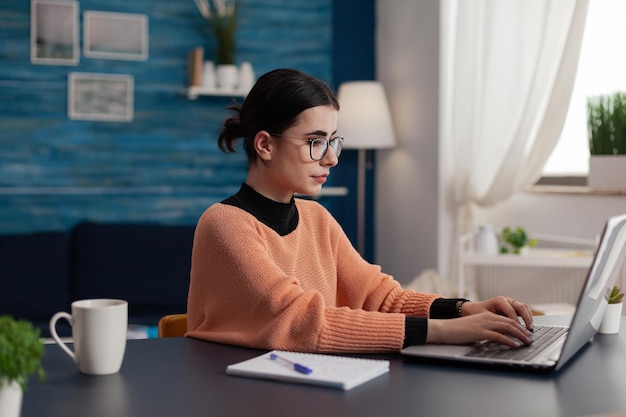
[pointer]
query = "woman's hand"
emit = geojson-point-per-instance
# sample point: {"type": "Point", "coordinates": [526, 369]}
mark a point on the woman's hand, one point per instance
{"type": "Point", "coordinates": [495, 319]}
{"type": "Point", "coordinates": [484, 325]}
{"type": "Point", "coordinates": [505, 306]}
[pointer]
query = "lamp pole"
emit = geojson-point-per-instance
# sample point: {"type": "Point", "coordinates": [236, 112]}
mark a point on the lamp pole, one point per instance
{"type": "Point", "coordinates": [360, 213]}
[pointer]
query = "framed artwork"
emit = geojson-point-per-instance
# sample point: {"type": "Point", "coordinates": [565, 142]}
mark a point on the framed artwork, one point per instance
{"type": "Point", "coordinates": [115, 35]}
{"type": "Point", "coordinates": [103, 97]}
{"type": "Point", "coordinates": [54, 32]}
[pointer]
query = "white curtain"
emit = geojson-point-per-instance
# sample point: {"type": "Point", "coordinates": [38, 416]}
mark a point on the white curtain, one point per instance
{"type": "Point", "coordinates": [508, 70]}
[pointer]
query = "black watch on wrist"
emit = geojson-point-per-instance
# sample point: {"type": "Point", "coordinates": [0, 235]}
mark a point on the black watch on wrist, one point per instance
{"type": "Point", "coordinates": [461, 301]}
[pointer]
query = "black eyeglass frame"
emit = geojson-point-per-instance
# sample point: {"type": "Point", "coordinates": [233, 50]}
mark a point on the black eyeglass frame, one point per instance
{"type": "Point", "coordinates": [328, 144]}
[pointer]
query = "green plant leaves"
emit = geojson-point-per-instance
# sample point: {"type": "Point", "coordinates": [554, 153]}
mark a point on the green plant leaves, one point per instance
{"type": "Point", "coordinates": [616, 296]}
{"type": "Point", "coordinates": [20, 351]}
{"type": "Point", "coordinates": [606, 124]}
{"type": "Point", "coordinates": [515, 240]}
{"type": "Point", "coordinates": [223, 23]}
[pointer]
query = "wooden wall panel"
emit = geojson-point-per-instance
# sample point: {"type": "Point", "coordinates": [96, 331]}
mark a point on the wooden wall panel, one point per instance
{"type": "Point", "coordinates": [162, 167]}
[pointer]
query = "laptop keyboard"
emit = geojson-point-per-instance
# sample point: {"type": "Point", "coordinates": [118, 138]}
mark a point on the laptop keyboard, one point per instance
{"type": "Point", "coordinates": [543, 337]}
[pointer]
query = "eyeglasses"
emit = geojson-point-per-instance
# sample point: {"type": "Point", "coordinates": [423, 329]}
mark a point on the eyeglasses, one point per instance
{"type": "Point", "coordinates": [318, 147]}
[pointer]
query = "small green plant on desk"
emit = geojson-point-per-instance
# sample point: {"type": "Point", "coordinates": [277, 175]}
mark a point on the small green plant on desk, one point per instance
{"type": "Point", "coordinates": [20, 351]}
{"type": "Point", "coordinates": [616, 295]}
{"type": "Point", "coordinates": [515, 240]}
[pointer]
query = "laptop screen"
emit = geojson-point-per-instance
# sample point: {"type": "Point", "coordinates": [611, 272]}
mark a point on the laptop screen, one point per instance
{"type": "Point", "coordinates": [602, 275]}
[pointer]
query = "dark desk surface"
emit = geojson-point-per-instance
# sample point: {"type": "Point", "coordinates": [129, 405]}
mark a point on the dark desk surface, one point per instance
{"type": "Point", "coordinates": [181, 377]}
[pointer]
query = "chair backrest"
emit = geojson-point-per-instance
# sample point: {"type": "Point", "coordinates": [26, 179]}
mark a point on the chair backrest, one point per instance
{"type": "Point", "coordinates": [173, 325]}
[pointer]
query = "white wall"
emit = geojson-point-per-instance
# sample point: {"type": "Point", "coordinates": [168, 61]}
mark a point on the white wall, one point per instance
{"type": "Point", "coordinates": [412, 228]}
{"type": "Point", "coordinates": [406, 188]}
{"type": "Point", "coordinates": [559, 214]}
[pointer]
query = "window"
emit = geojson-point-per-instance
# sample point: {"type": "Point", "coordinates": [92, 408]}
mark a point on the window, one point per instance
{"type": "Point", "coordinates": [601, 70]}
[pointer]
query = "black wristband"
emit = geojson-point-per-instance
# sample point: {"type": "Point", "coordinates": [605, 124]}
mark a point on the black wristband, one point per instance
{"type": "Point", "coordinates": [445, 308]}
{"type": "Point", "coordinates": [460, 306]}
{"type": "Point", "coordinates": [415, 331]}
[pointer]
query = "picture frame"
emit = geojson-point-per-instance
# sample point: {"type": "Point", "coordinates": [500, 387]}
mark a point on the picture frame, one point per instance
{"type": "Point", "coordinates": [54, 32]}
{"type": "Point", "coordinates": [110, 35]}
{"type": "Point", "coordinates": [100, 97]}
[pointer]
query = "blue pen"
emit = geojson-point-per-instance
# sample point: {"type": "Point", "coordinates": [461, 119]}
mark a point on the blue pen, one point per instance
{"type": "Point", "coordinates": [298, 367]}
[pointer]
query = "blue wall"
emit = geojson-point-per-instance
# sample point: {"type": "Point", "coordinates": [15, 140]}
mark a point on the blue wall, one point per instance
{"type": "Point", "coordinates": [354, 59]}
{"type": "Point", "coordinates": [164, 166]}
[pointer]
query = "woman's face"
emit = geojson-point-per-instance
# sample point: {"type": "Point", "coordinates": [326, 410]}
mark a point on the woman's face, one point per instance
{"type": "Point", "coordinates": [289, 169]}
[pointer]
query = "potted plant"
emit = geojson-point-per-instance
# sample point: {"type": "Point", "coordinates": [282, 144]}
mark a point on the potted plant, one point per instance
{"type": "Point", "coordinates": [613, 314]}
{"type": "Point", "coordinates": [20, 356]}
{"type": "Point", "coordinates": [606, 122]}
{"type": "Point", "coordinates": [222, 17]}
{"type": "Point", "coordinates": [515, 240]}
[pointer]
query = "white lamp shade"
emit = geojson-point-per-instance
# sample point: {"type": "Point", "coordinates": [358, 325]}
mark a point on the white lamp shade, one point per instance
{"type": "Point", "coordinates": [364, 117]}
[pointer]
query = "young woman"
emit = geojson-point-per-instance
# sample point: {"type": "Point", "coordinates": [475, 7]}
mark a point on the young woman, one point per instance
{"type": "Point", "coordinates": [271, 271]}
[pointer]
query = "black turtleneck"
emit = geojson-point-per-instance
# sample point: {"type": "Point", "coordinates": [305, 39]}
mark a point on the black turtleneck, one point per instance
{"type": "Point", "coordinates": [280, 217]}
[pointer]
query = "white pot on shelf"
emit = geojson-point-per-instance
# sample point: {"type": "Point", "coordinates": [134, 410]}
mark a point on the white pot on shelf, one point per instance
{"type": "Point", "coordinates": [611, 319]}
{"type": "Point", "coordinates": [208, 75]}
{"type": "Point", "coordinates": [607, 172]}
{"type": "Point", "coordinates": [227, 77]}
{"type": "Point", "coordinates": [486, 241]}
{"type": "Point", "coordinates": [246, 77]}
{"type": "Point", "coordinates": [10, 399]}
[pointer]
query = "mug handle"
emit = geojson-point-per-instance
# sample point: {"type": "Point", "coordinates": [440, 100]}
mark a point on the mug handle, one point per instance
{"type": "Point", "coordinates": [55, 336]}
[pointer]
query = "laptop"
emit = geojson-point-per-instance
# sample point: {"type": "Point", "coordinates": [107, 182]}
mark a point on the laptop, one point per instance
{"type": "Point", "coordinates": [561, 342]}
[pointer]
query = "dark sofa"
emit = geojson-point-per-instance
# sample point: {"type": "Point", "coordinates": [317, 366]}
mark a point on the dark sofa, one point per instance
{"type": "Point", "coordinates": [146, 264]}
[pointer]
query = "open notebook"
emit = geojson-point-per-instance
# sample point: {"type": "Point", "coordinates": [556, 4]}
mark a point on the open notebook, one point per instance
{"type": "Point", "coordinates": [306, 368]}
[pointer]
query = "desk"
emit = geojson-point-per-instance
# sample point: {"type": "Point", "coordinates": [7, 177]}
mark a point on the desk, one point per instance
{"type": "Point", "coordinates": [185, 377]}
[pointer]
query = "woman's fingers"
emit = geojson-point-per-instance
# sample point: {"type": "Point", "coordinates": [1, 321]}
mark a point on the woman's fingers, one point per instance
{"type": "Point", "coordinates": [476, 327]}
{"type": "Point", "coordinates": [512, 309]}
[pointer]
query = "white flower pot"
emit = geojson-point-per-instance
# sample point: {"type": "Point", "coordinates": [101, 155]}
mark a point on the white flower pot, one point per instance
{"type": "Point", "coordinates": [208, 75]}
{"type": "Point", "coordinates": [10, 399]}
{"type": "Point", "coordinates": [486, 241]}
{"type": "Point", "coordinates": [611, 319]}
{"type": "Point", "coordinates": [607, 172]}
{"type": "Point", "coordinates": [227, 77]}
{"type": "Point", "coordinates": [246, 77]}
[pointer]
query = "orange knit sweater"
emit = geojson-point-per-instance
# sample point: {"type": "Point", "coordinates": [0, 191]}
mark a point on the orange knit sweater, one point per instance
{"type": "Point", "coordinates": [307, 291]}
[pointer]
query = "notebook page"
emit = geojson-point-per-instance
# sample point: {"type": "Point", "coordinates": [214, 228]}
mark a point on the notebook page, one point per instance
{"type": "Point", "coordinates": [328, 370]}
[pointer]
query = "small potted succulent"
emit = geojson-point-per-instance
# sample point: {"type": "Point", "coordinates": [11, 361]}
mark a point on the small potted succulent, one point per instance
{"type": "Point", "coordinates": [515, 240]}
{"type": "Point", "coordinates": [613, 314]}
{"type": "Point", "coordinates": [20, 356]}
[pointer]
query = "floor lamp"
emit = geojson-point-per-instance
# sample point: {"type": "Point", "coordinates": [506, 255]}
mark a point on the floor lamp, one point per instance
{"type": "Point", "coordinates": [365, 123]}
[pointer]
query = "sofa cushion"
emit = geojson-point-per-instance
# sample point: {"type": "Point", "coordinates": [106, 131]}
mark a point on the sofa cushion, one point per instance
{"type": "Point", "coordinates": [35, 272]}
{"type": "Point", "coordinates": [147, 265]}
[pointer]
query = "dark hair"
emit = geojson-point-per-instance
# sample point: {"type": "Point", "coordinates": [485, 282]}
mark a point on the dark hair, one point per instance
{"type": "Point", "coordinates": [273, 104]}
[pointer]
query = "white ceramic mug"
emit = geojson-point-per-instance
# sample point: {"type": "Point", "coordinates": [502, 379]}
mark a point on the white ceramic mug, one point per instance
{"type": "Point", "coordinates": [99, 329]}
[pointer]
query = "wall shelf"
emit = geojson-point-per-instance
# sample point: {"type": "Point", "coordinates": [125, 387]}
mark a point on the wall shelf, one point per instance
{"type": "Point", "coordinates": [194, 92]}
{"type": "Point", "coordinates": [557, 257]}
{"type": "Point", "coordinates": [329, 192]}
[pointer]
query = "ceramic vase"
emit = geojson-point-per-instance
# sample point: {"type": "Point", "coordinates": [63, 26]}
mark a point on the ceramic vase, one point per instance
{"type": "Point", "coordinates": [611, 319]}
{"type": "Point", "coordinates": [486, 241]}
{"type": "Point", "coordinates": [10, 399]}
{"type": "Point", "coordinates": [208, 75]}
{"type": "Point", "coordinates": [227, 77]}
{"type": "Point", "coordinates": [606, 172]}
{"type": "Point", "coordinates": [246, 77]}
